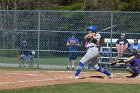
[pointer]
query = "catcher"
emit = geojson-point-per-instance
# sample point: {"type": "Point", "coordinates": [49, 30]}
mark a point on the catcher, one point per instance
{"type": "Point", "coordinates": [132, 63]}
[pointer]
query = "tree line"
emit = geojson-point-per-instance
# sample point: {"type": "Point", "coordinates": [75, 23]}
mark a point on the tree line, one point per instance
{"type": "Point", "coordinates": [87, 5]}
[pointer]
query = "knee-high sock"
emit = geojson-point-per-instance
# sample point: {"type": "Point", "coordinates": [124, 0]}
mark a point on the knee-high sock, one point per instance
{"type": "Point", "coordinates": [101, 69]}
{"type": "Point", "coordinates": [89, 65]}
{"type": "Point", "coordinates": [80, 67]}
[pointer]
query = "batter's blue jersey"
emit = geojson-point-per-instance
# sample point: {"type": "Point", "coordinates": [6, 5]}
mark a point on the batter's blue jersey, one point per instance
{"type": "Point", "coordinates": [133, 46]}
{"type": "Point", "coordinates": [73, 40]}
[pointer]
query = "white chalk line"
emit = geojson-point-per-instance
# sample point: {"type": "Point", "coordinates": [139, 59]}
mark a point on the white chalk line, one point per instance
{"type": "Point", "coordinates": [24, 81]}
{"type": "Point", "coordinates": [26, 74]}
{"type": "Point", "coordinates": [13, 73]}
{"type": "Point", "coordinates": [59, 71]}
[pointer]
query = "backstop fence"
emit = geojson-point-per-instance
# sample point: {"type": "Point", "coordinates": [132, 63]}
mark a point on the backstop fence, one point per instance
{"type": "Point", "coordinates": [46, 33]}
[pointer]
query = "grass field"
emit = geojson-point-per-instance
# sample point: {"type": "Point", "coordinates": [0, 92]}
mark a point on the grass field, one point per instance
{"type": "Point", "coordinates": [80, 88]}
{"type": "Point", "coordinates": [49, 60]}
{"type": "Point", "coordinates": [54, 61]}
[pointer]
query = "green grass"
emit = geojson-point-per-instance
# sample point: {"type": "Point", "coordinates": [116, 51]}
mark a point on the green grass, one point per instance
{"type": "Point", "coordinates": [42, 69]}
{"type": "Point", "coordinates": [59, 61]}
{"type": "Point", "coordinates": [80, 88]}
{"type": "Point", "coordinates": [33, 69]}
{"type": "Point", "coordinates": [49, 61]}
{"type": "Point", "coordinates": [18, 69]}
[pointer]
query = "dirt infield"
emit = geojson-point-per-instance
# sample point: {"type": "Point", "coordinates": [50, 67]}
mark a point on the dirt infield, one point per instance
{"type": "Point", "coordinates": [21, 79]}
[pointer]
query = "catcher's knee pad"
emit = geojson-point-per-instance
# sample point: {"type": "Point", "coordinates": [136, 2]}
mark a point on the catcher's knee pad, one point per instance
{"type": "Point", "coordinates": [81, 66]}
{"type": "Point", "coordinates": [135, 70]}
{"type": "Point", "coordinates": [130, 69]}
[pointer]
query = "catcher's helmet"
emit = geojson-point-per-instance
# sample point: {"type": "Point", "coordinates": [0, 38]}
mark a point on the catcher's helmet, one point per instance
{"type": "Point", "coordinates": [91, 28]}
{"type": "Point", "coordinates": [133, 52]}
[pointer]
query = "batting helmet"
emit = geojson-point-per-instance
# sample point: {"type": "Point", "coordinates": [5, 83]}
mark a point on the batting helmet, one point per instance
{"type": "Point", "coordinates": [91, 28]}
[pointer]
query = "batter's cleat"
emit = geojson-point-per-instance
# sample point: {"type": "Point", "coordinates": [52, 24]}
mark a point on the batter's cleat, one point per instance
{"type": "Point", "coordinates": [110, 77]}
{"type": "Point", "coordinates": [76, 77]}
{"type": "Point", "coordinates": [73, 77]}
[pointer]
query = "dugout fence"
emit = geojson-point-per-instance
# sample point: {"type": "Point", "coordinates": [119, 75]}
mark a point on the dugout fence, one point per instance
{"type": "Point", "coordinates": [47, 31]}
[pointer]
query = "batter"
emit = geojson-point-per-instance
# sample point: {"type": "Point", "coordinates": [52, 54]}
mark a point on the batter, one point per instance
{"type": "Point", "coordinates": [91, 54]}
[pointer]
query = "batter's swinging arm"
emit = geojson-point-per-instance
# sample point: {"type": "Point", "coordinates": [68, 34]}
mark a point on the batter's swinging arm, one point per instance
{"type": "Point", "coordinates": [105, 30]}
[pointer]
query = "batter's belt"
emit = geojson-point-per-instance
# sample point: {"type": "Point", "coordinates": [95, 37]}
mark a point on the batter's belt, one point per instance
{"type": "Point", "coordinates": [92, 47]}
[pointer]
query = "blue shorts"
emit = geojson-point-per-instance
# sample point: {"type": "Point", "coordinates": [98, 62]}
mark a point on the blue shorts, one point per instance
{"type": "Point", "coordinates": [72, 55]}
{"type": "Point", "coordinates": [26, 57]}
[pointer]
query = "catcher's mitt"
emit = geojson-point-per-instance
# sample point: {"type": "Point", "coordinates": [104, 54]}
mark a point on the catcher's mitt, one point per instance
{"type": "Point", "coordinates": [118, 61]}
{"type": "Point", "coordinates": [115, 61]}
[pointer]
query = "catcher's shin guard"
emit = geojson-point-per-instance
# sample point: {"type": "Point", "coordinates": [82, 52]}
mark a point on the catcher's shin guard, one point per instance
{"type": "Point", "coordinates": [133, 70]}
{"type": "Point", "coordinates": [80, 67]}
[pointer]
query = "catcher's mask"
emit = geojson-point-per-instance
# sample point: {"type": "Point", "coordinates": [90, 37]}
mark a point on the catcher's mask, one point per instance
{"type": "Point", "coordinates": [133, 52]}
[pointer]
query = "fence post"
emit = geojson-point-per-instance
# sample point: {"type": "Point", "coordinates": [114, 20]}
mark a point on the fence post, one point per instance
{"type": "Point", "coordinates": [111, 37]}
{"type": "Point", "coordinates": [38, 38]}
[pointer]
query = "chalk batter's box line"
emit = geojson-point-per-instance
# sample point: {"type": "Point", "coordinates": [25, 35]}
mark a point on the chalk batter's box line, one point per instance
{"type": "Point", "coordinates": [26, 81]}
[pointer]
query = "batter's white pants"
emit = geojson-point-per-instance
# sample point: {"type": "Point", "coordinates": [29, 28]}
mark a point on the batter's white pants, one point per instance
{"type": "Point", "coordinates": [91, 56]}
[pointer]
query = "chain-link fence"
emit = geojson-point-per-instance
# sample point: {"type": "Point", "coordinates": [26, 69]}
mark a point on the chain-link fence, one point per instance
{"type": "Point", "coordinates": [46, 33]}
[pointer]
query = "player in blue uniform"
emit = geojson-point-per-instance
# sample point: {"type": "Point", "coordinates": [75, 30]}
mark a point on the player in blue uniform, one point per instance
{"type": "Point", "coordinates": [25, 54]}
{"type": "Point", "coordinates": [91, 54]}
{"type": "Point", "coordinates": [73, 44]}
{"type": "Point", "coordinates": [135, 45]}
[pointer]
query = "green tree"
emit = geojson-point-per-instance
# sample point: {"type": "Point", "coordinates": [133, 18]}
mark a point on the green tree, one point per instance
{"type": "Point", "coordinates": [121, 5]}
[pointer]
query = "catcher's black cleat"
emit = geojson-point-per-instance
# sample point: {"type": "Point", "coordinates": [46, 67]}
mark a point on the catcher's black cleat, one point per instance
{"type": "Point", "coordinates": [132, 76]}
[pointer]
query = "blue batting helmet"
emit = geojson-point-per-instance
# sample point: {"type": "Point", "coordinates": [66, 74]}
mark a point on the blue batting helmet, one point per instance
{"type": "Point", "coordinates": [91, 28]}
